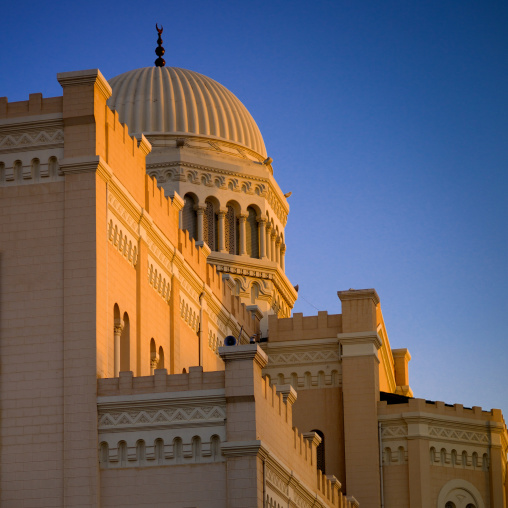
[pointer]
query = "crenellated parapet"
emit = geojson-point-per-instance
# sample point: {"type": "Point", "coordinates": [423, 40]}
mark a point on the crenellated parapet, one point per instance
{"type": "Point", "coordinates": [196, 418]}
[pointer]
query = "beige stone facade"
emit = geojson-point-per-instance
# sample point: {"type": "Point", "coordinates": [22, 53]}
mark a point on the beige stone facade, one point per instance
{"type": "Point", "coordinates": [117, 291]}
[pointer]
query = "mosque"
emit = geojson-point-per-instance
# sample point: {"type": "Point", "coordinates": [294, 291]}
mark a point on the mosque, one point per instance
{"type": "Point", "coordinates": [149, 356]}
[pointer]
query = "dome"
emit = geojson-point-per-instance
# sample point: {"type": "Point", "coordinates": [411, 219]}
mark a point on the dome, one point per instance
{"type": "Point", "coordinates": [171, 101]}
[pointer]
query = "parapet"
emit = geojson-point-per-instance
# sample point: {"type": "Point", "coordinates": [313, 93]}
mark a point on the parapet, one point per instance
{"type": "Point", "coordinates": [440, 408]}
{"type": "Point", "coordinates": [300, 327]}
{"type": "Point", "coordinates": [36, 105]}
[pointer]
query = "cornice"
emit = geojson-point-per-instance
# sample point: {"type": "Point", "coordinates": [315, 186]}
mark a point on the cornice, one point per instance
{"type": "Point", "coordinates": [85, 77]}
{"type": "Point", "coordinates": [244, 352]}
{"type": "Point", "coordinates": [31, 123]}
{"type": "Point", "coordinates": [236, 174]}
{"type": "Point", "coordinates": [214, 143]}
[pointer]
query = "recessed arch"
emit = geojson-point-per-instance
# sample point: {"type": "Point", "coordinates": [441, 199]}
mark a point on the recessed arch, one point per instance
{"type": "Point", "coordinates": [462, 490]}
{"type": "Point", "coordinates": [189, 215]}
{"type": "Point", "coordinates": [125, 345]}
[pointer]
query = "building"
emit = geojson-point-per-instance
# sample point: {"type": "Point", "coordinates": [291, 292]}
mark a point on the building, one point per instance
{"type": "Point", "coordinates": [141, 226]}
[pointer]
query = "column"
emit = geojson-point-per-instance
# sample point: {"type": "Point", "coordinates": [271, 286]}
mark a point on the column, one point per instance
{"type": "Point", "coordinates": [242, 219]}
{"type": "Point", "coordinates": [272, 244]}
{"type": "Point", "coordinates": [118, 333]}
{"type": "Point", "coordinates": [268, 234]}
{"type": "Point", "coordinates": [282, 255]}
{"type": "Point", "coordinates": [262, 238]}
{"type": "Point", "coordinates": [153, 364]}
{"type": "Point", "coordinates": [222, 216]}
{"type": "Point", "coordinates": [200, 211]}
{"type": "Point", "coordinates": [277, 251]}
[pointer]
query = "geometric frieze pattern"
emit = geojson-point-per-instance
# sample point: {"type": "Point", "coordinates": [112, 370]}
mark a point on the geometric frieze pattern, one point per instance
{"type": "Point", "coordinates": [38, 139]}
{"type": "Point", "coordinates": [177, 416]}
{"type": "Point", "coordinates": [125, 216]}
{"type": "Point", "coordinates": [459, 435]}
{"type": "Point", "coordinates": [304, 357]}
{"type": "Point", "coordinates": [189, 314]}
{"type": "Point", "coordinates": [159, 280]}
{"type": "Point", "coordinates": [188, 289]}
{"type": "Point", "coordinates": [277, 482]}
{"type": "Point", "coordinates": [394, 431]}
{"type": "Point", "coordinates": [124, 242]}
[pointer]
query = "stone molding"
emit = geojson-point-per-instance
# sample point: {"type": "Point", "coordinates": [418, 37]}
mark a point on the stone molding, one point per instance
{"type": "Point", "coordinates": [359, 344]}
{"type": "Point", "coordinates": [304, 357]}
{"type": "Point", "coordinates": [244, 352]}
{"type": "Point", "coordinates": [195, 174]}
{"type": "Point", "coordinates": [165, 416]}
{"type": "Point", "coordinates": [159, 279]}
{"type": "Point", "coordinates": [358, 294]}
{"type": "Point", "coordinates": [122, 240]}
{"type": "Point", "coordinates": [33, 139]}
{"type": "Point", "coordinates": [85, 77]}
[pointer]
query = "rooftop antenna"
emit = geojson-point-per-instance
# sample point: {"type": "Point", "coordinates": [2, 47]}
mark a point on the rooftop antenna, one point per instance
{"type": "Point", "coordinates": [159, 50]}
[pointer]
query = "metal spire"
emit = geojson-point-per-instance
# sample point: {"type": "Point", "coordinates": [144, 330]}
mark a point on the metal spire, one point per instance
{"type": "Point", "coordinates": [159, 50]}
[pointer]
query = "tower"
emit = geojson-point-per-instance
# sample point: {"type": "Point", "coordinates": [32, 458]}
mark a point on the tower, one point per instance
{"type": "Point", "coordinates": [207, 148]}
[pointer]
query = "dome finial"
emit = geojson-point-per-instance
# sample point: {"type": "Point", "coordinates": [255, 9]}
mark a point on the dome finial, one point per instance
{"type": "Point", "coordinates": [159, 50]}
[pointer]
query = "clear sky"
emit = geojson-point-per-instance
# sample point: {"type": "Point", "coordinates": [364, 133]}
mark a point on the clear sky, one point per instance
{"type": "Point", "coordinates": [388, 122]}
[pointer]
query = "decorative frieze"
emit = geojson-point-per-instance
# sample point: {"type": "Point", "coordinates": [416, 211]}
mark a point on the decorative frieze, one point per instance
{"type": "Point", "coordinates": [304, 357]}
{"type": "Point", "coordinates": [159, 279]}
{"type": "Point", "coordinates": [31, 140]}
{"type": "Point", "coordinates": [458, 435]}
{"type": "Point", "coordinates": [197, 175]}
{"type": "Point", "coordinates": [167, 417]}
{"type": "Point", "coordinates": [123, 240]}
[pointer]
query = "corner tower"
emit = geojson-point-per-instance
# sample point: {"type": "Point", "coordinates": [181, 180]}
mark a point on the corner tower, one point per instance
{"type": "Point", "coordinates": [208, 149]}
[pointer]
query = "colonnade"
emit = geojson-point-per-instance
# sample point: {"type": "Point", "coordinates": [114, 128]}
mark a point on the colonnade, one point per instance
{"type": "Point", "coordinates": [269, 245]}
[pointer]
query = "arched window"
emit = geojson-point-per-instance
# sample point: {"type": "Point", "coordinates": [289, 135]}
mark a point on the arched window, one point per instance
{"type": "Point", "coordinates": [53, 167]}
{"type": "Point", "coordinates": [159, 451]}
{"type": "Point", "coordinates": [321, 378]}
{"type": "Point", "coordinates": [196, 448]}
{"type": "Point", "coordinates": [280, 379]}
{"type": "Point", "coordinates": [125, 345]}
{"type": "Point", "coordinates": [464, 458]}
{"type": "Point", "coordinates": [140, 452]}
{"type": "Point", "coordinates": [122, 453]}
{"type": "Point", "coordinates": [104, 454]}
{"type": "Point", "coordinates": [454, 457]}
{"type": "Point", "coordinates": [35, 169]}
{"type": "Point", "coordinates": [215, 447]}
{"type": "Point", "coordinates": [177, 449]}
{"type": "Point", "coordinates": [320, 452]}
{"type": "Point", "coordinates": [189, 216]}
{"type": "Point", "coordinates": [294, 380]}
{"type": "Point", "coordinates": [308, 379]}
{"type": "Point", "coordinates": [160, 365]}
{"type": "Point", "coordinates": [387, 456]}
{"type": "Point", "coordinates": [231, 231]}
{"type": "Point", "coordinates": [153, 356]}
{"type": "Point", "coordinates": [251, 233]}
{"type": "Point", "coordinates": [254, 293]}
{"type": "Point", "coordinates": [210, 226]}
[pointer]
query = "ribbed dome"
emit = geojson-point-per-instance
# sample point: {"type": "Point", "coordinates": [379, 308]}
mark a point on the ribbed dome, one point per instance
{"type": "Point", "coordinates": [169, 100]}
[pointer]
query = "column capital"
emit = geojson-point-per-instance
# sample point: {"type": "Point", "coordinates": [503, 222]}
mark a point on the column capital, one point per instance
{"type": "Point", "coordinates": [200, 209]}
{"type": "Point", "coordinates": [222, 212]}
{"type": "Point", "coordinates": [242, 217]}
{"type": "Point", "coordinates": [283, 248]}
{"type": "Point", "coordinates": [273, 234]}
{"type": "Point", "coordinates": [118, 325]}
{"type": "Point", "coordinates": [268, 226]}
{"type": "Point", "coordinates": [262, 220]}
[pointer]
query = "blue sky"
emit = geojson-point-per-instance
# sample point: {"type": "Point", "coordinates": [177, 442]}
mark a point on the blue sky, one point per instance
{"type": "Point", "coordinates": [388, 122]}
